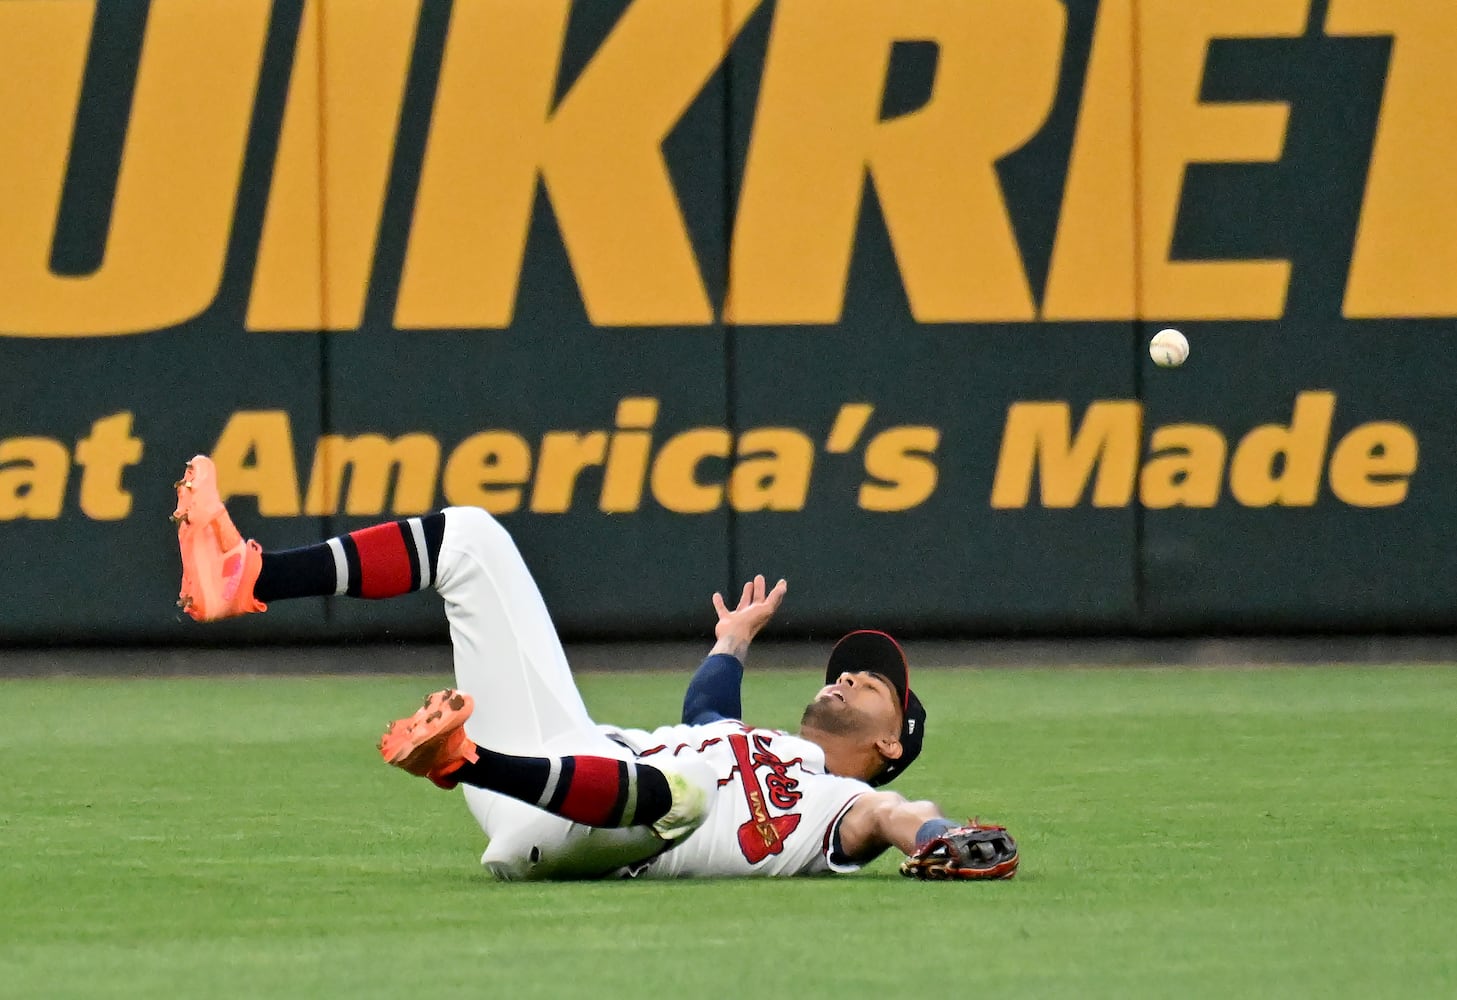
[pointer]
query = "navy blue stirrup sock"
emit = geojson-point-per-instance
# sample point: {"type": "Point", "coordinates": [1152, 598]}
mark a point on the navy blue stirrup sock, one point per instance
{"type": "Point", "coordinates": [594, 791]}
{"type": "Point", "coordinates": [388, 559]}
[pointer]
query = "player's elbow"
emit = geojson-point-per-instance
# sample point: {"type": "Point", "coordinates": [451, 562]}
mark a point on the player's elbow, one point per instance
{"type": "Point", "coordinates": [885, 810]}
{"type": "Point", "coordinates": [919, 810]}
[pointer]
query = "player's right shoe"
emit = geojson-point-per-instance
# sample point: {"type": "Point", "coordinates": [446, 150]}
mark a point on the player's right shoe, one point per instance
{"type": "Point", "coordinates": [219, 568]}
{"type": "Point", "coordinates": [432, 743]}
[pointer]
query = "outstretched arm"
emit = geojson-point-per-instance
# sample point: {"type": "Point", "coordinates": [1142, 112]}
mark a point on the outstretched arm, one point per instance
{"type": "Point", "coordinates": [879, 820]}
{"type": "Point", "coordinates": [713, 693]}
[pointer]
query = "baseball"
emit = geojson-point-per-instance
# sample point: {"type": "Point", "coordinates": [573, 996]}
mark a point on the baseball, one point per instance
{"type": "Point", "coordinates": [1169, 348]}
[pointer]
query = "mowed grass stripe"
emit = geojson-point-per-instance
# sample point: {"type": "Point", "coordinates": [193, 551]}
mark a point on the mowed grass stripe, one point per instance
{"type": "Point", "coordinates": [1186, 832]}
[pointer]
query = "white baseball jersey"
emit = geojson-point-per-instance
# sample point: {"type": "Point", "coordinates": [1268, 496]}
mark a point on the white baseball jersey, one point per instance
{"type": "Point", "coordinates": [771, 815]}
{"type": "Point", "coordinates": [774, 808]}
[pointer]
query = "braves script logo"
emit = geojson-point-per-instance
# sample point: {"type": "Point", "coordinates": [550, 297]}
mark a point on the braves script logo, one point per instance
{"type": "Point", "coordinates": [762, 834]}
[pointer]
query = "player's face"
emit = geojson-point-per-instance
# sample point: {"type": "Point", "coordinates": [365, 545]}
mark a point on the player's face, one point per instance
{"type": "Point", "coordinates": [866, 697]}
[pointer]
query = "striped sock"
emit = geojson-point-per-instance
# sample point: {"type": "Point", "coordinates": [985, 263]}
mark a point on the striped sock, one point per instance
{"type": "Point", "coordinates": [593, 791]}
{"type": "Point", "coordinates": [386, 560]}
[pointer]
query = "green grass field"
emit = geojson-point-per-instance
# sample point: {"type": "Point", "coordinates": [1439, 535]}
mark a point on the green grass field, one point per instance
{"type": "Point", "coordinates": [1185, 833]}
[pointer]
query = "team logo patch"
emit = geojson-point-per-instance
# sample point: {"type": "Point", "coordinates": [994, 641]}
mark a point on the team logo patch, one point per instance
{"type": "Point", "coordinates": [763, 833]}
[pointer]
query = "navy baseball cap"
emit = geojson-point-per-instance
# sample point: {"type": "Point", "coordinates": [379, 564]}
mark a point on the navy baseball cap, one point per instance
{"type": "Point", "coordinates": [878, 653]}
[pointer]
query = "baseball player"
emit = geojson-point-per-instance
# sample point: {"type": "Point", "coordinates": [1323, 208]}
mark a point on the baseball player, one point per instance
{"type": "Point", "coordinates": [559, 796]}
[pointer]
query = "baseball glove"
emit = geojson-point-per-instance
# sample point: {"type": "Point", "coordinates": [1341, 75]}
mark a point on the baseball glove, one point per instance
{"type": "Point", "coordinates": [973, 851]}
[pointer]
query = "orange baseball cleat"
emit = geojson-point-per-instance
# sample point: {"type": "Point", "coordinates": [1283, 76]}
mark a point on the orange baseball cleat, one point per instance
{"type": "Point", "coordinates": [432, 743]}
{"type": "Point", "coordinates": [219, 569]}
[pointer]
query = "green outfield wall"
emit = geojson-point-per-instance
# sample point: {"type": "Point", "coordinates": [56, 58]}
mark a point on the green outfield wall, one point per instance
{"type": "Point", "coordinates": [854, 292]}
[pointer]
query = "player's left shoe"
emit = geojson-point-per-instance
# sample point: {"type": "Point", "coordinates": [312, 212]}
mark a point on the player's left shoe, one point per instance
{"type": "Point", "coordinates": [219, 568]}
{"type": "Point", "coordinates": [432, 743]}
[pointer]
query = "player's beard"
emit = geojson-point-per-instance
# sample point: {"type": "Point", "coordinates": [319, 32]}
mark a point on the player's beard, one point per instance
{"type": "Point", "coordinates": [837, 718]}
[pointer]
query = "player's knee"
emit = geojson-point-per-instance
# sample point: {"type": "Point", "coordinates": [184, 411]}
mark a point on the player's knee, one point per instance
{"type": "Point", "coordinates": [512, 857]}
{"type": "Point", "coordinates": [509, 870]}
{"type": "Point", "coordinates": [691, 783]}
{"type": "Point", "coordinates": [475, 524]}
{"type": "Point", "coordinates": [476, 532]}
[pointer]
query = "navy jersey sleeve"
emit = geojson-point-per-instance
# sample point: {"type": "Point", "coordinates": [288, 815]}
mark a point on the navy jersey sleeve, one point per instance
{"type": "Point", "coordinates": [713, 693]}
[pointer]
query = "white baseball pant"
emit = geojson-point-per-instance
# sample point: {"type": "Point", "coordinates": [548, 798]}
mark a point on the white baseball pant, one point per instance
{"type": "Point", "coordinates": [509, 659]}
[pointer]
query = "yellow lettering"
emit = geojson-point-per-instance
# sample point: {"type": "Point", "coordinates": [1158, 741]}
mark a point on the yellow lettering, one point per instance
{"type": "Point", "coordinates": [254, 457]}
{"type": "Point", "coordinates": [848, 426]}
{"type": "Point", "coordinates": [33, 473]}
{"type": "Point", "coordinates": [488, 470]}
{"type": "Point", "coordinates": [334, 154]}
{"type": "Point", "coordinates": [1040, 435]}
{"type": "Point", "coordinates": [1406, 243]}
{"type": "Point", "coordinates": [564, 455]}
{"type": "Point", "coordinates": [371, 461]}
{"type": "Point", "coordinates": [103, 456]}
{"type": "Point", "coordinates": [1372, 465]}
{"type": "Point", "coordinates": [817, 132]}
{"type": "Point", "coordinates": [773, 470]}
{"type": "Point", "coordinates": [1253, 479]}
{"type": "Point", "coordinates": [675, 481]}
{"type": "Point", "coordinates": [180, 167]}
{"type": "Point", "coordinates": [1176, 129]}
{"type": "Point", "coordinates": [1092, 274]}
{"type": "Point", "coordinates": [902, 461]}
{"type": "Point", "coordinates": [599, 154]}
{"type": "Point", "coordinates": [627, 455]}
{"type": "Point", "coordinates": [1186, 468]}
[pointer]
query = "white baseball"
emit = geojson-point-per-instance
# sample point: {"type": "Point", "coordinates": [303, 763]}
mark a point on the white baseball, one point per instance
{"type": "Point", "coordinates": [1169, 348]}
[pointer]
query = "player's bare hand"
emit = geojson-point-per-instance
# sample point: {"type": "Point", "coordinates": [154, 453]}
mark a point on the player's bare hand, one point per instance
{"type": "Point", "coordinates": [757, 604]}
